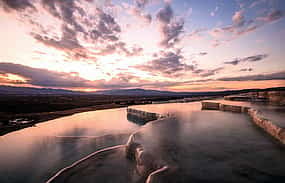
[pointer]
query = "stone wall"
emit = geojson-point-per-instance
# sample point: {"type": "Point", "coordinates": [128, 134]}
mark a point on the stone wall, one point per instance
{"type": "Point", "coordinates": [142, 115]}
{"type": "Point", "coordinates": [211, 105]}
{"type": "Point", "coordinates": [267, 125]}
{"type": "Point", "coordinates": [273, 97]}
{"type": "Point", "coordinates": [276, 97]}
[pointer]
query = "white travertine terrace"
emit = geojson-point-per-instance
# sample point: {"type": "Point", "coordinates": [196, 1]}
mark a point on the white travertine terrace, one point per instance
{"type": "Point", "coordinates": [267, 125]}
{"type": "Point", "coordinates": [146, 165]}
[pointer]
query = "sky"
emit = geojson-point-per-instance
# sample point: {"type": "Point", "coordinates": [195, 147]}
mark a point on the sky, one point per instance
{"type": "Point", "coordinates": [174, 45]}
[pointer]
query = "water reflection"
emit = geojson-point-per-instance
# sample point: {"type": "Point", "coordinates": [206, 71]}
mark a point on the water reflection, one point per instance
{"type": "Point", "coordinates": [226, 146]}
{"type": "Point", "coordinates": [34, 154]}
{"type": "Point", "coordinates": [135, 119]}
{"type": "Point", "coordinates": [210, 140]}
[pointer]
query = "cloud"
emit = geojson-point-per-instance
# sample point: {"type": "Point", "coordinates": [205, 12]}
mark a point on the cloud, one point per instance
{"type": "Point", "coordinates": [238, 18]}
{"type": "Point", "coordinates": [16, 4]}
{"type": "Point", "coordinates": [196, 34]}
{"type": "Point", "coordinates": [147, 18]}
{"type": "Point", "coordinates": [141, 3]}
{"type": "Point", "coordinates": [65, 11]}
{"type": "Point", "coordinates": [120, 47]}
{"type": "Point", "coordinates": [169, 27]}
{"type": "Point", "coordinates": [213, 13]}
{"type": "Point", "coordinates": [240, 26]}
{"type": "Point", "coordinates": [165, 14]}
{"type": "Point", "coordinates": [44, 77]}
{"type": "Point", "coordinates": [68, 41]}
{"type": "Point", "coordinates": [168, 64]}
{"type": "Point", "coordinates": [246, 69]}
{"type": "Point", "coordinates": [48, 78]}
{"type": "Point", "coordinates": [210, 72]}
{"type": "Point", "coordinates": [272, 16]}
{"type": "Point", "coordinates": [253, 58]}
{"type": "Point", "coordinates": [207, 72]}
{"type": "Point", "coordinates": [202, 53]}
{"type": "Point", "coordinates": [258, 77]}
{"type": "Point", "coordinates": [256, 3]}
{"type": "Point", "coordinates": [80, 26]}
{"type": "Point", "coordinates": [171, 33]}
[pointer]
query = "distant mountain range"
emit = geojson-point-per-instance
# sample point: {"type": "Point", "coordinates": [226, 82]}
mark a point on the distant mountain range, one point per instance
{"type": "Point", "coordinates": [143, 92]}
{"type": "Point", "coordinates": [140, 92]}
{"type": "Point", "coordinates": [11, 90]}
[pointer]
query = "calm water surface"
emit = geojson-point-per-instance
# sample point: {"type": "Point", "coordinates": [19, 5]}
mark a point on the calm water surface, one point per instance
{"type": "Point", "coordinates": [34, 154]}
{"type": "Point", "coordinates": [214, 146]}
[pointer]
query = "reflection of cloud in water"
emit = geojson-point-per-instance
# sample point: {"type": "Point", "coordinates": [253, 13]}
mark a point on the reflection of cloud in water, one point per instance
{"type": "Point", "coordinates": [34, 154]}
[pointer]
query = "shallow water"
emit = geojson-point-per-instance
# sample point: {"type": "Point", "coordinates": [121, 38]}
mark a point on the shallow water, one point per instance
{"type": "Point", "coordinates": [35, 154]}
{"type": "Point", "coordinates": [275, 113]}
{"type": "Point", "coordinates": [213, 146]}
{"type": "Point", "coordinates": [222, 144]}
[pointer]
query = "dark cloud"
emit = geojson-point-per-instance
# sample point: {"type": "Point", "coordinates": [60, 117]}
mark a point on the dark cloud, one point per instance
{"type": "Point", "coordinates": [68, 41]}
{"type": "Point", "coordinates": [210, 72]}
{"type": "Point", "coordinates": [171, 33]}
{"type": "Point", "coordinates": [48, 78]}
{"type": "Point", "coordinates": [98, 28]}
{"type": "Point", "coordinates": [16, 4]}
{"type": "Point", "coordinates": [246, 69]}
{"type": "Point", "coordinates": [165, 14]}
{"type": "Point", "coordinates": [120, 47]}
{"type": "Point", "coordinates": [272, 16]}
{"type": "Point", "coordinates": [168, 64]}
{"type": "Point", "coordinates": [253, 58]}
{"type": "Point", "coordinates": [141, 3]}
{"type": "Point", "coordinates": [258, 77]}
{"type": "Point", "coordinates": [169, 27]}
{"type": "Point", "coordinates": [206, 72]}
{"type": "Point", "coordinates": [79, 26]}
{"type": "Point", "coordinates": [44, 77]}
{"type": "Point", "coordinates": [203, 53]}
{"type": "Point", "coordinates": [65, 11]}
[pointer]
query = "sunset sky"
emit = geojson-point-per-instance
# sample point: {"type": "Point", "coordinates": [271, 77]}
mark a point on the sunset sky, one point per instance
{"type": "Point", "coordinates": [176, 45]}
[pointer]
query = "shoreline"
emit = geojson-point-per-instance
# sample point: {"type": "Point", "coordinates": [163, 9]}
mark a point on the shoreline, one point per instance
{"type": "Point", "coordinates": [46, 116]}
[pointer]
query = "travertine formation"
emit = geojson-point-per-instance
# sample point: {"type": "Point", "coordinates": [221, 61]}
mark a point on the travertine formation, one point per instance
{"type": "Point", "coordinates": [146, 165]}
{"type": "Point", "coordinates": [143, 115]}
{"type": "Point", "coordinates": [274, 97]}
{"type": "Point", "coordinates": [267, 125]}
